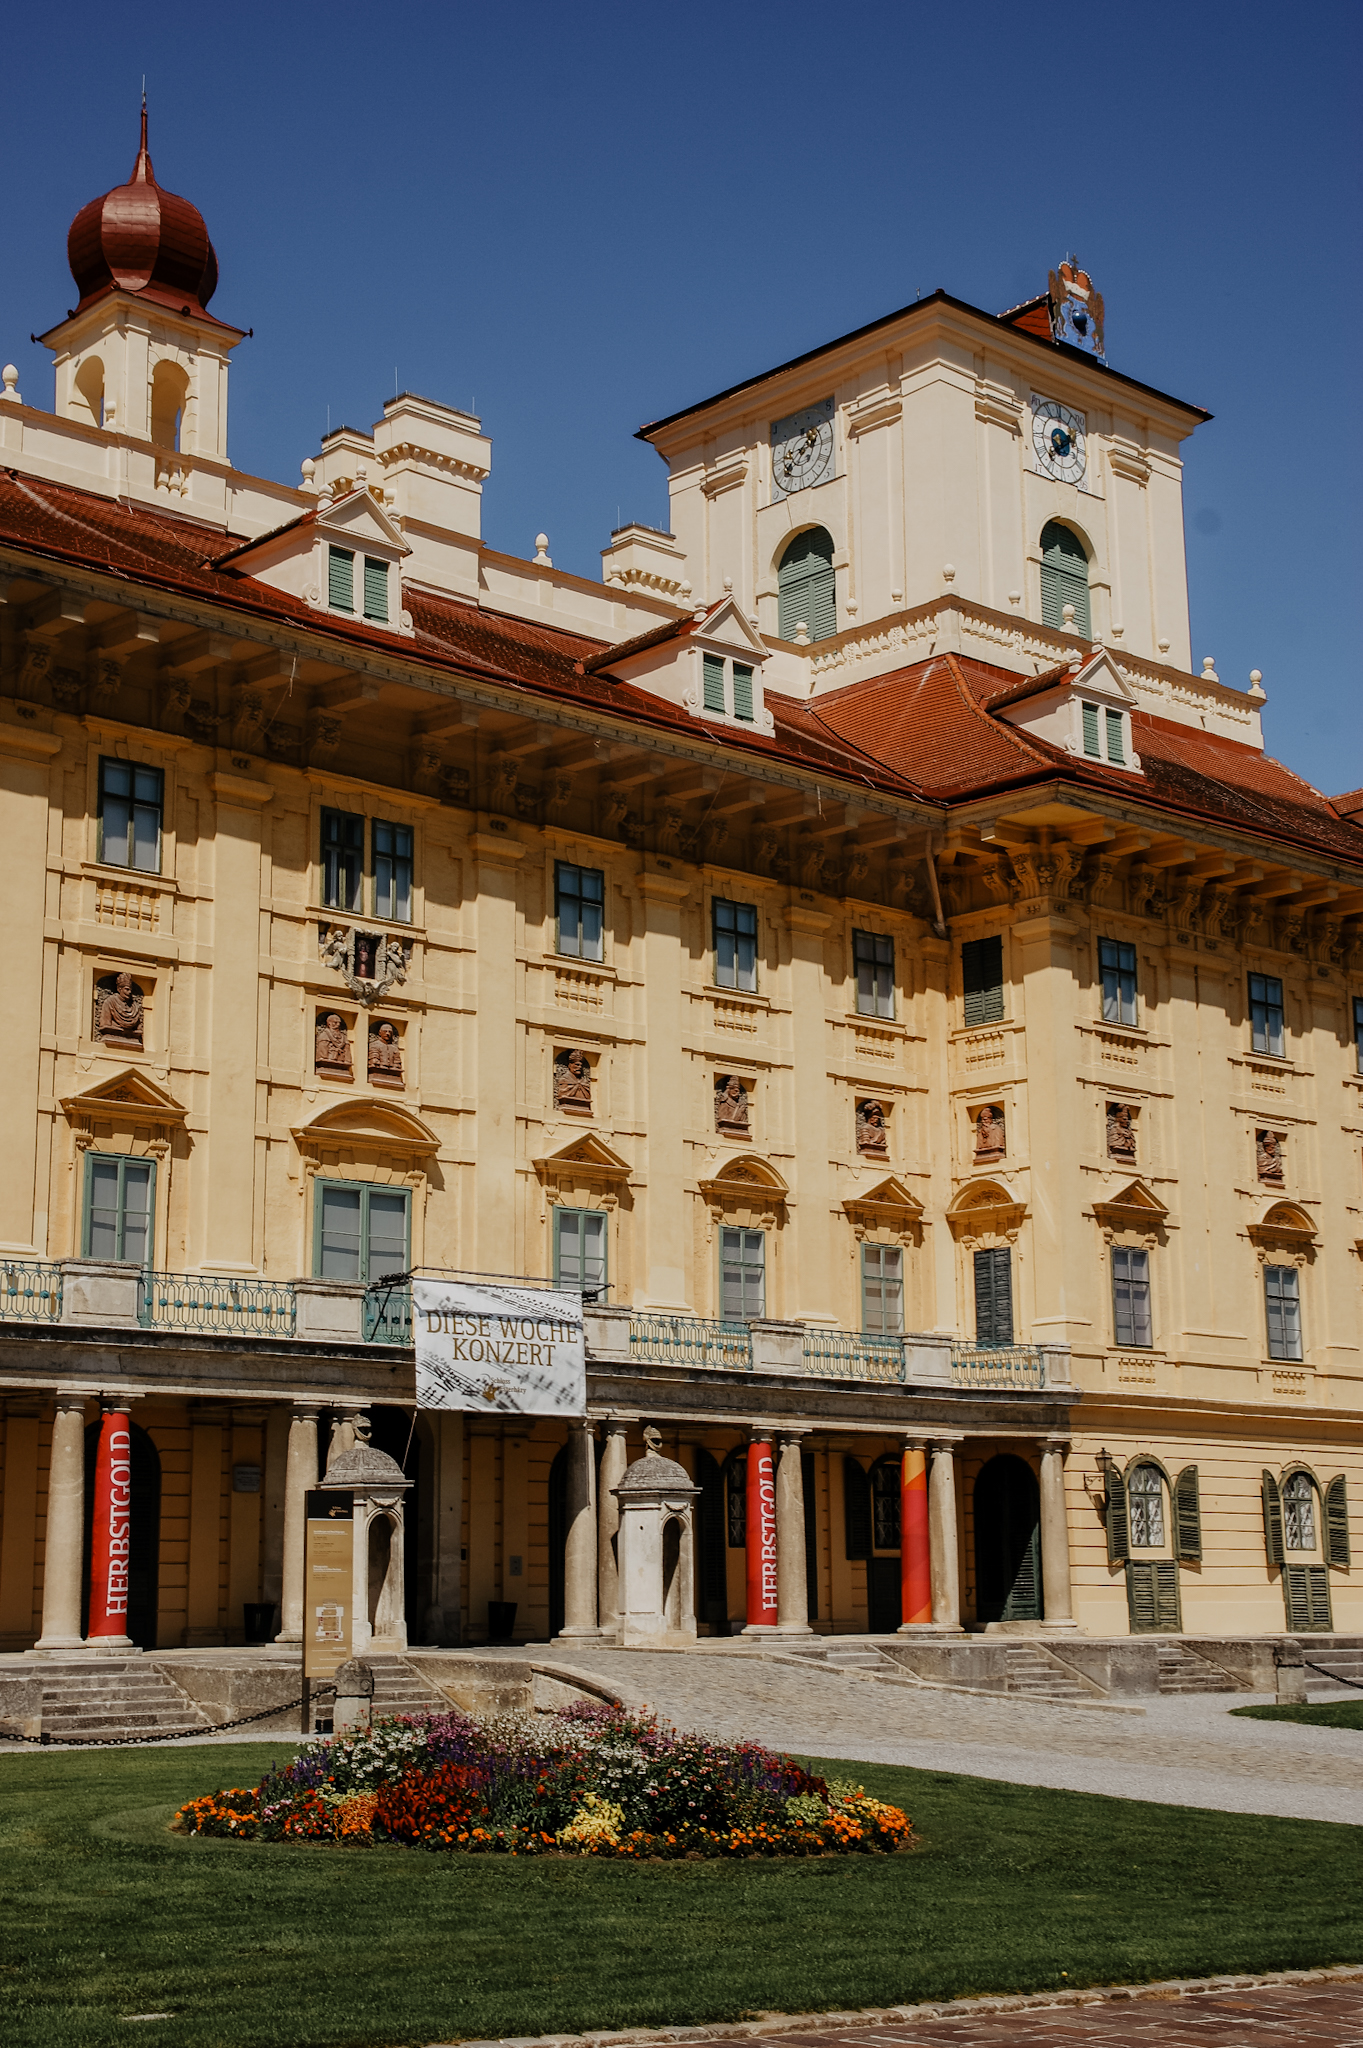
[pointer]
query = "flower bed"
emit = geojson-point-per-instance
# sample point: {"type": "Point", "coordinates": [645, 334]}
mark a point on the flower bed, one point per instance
{"type": "Point", "coordinates": [594, 1781]}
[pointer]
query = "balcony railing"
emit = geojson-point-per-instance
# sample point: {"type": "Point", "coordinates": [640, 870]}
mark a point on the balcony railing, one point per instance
{"type": "Point", "coordinates": [688, 1340]}
{"type": "Point", "coordinates": [849, 1355]}
{"type": "Point", "coordinates": [998, 1365]}
{"type": "Point", "coordinates": [198, 1301]}
{"type": "Point", "coordinates": [388, 1313]}
{"type": "Point", "coordinates": [30, 1291]}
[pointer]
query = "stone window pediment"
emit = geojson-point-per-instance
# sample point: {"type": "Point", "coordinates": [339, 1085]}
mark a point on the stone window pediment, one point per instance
{"type": "Point", "coordinates": [985, 1209]}
{"type": "Point", "coordinates": [1134, 1208]}
{"type": "Point", "coordinates": [888, 1206]}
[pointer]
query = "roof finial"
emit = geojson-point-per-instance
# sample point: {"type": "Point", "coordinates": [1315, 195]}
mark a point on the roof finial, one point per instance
{"type": "Point", "coordinates": [142, 170]}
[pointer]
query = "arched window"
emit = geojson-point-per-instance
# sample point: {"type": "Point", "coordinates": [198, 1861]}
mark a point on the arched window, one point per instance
{"type": "Point", "coordinates": [1299, 1512]}
{"type": "Point", "coordinates": [1064, 578]}
{"type": "Point", "coordinates": [807, 587]}
{"type": "Point", "coordinates": [1145, 1507]}
{"type": "Point", "coordinates": [169, 390]}
{"type": "Point", "coordinates": [88, 395]}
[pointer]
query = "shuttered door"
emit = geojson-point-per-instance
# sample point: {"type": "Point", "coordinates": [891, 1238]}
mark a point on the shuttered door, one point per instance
{"type": "Point", "coordinates": [1007, 1509]}
{"type": "Point", "coordinates": [1306, 1596]}
{"type": "Point", "coordinates": [994, 1296]}
{"type": "Point", "coordinates": [1064, 578]}
{"type": "Point", "coordinates": [856, 1508]}
{"type": "Point", "coordinates": [1152, 1601]}
{"type": "Point", "coordinates": [807, 586]}
{"type": "Point", "coordinates": [982, 980]}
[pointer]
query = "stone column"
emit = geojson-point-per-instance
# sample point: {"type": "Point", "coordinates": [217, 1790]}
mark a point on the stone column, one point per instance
{"type": "Point", "coordinates": [111, 1530]}
{"type": "Point", "coordinates": [300, 1476]}
{"type": "Point", "coordinates": [614, 1459]}
{"type": "Point", "coordinates": [65, 1541]}
{"type": "Point", "coordinates": [942, 1535]}
{"type": "Point", "coordinates": [763, 1556]}
{"type": "Point", "coordinates": [665, 1209]}
{"type": "Point", "coordinates": [915, 1569]}
{"type": "Point", "coordinates": [234, 848]}
{"type": "Point", "coordinates": [1055, 1535]}
{"type": "Point", "coordinates": [580, 1559]}
{"type": "Point", "coordinates": [792, 1578]}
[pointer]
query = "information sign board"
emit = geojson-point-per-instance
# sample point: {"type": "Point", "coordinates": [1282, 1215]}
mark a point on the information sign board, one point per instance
{"type": "Point", "coordinates": [328, 1589]}
{"type": "Point", "coordinates": [511, 1350]}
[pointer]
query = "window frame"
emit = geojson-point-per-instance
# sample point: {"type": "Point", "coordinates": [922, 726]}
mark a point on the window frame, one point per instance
{"type": "Point", "coordinates": [987, 993]}
{"type": "Point", "coordinates": [1138, 1294]}
{"type": "Point", "coordinates": [744, 1314]}
{"type": "Point", "coordinates": [1307, 1492]}
{"type": "Point", "coordinates": [335, 556]}
{"type": "Point", "coordinates": [867, 953]}
{"type": "Point", "coordinates": [1119, 971]}
{"type": "Point", "coordinates": [719, 905]}
{"type": "Point", "coordinates": [1269, 1009]}
{"type": "Point", "coordinates": [122, 1160]}
{"type": "Point", "coordinates": [369, 563]}
{"type": "Point", "coordinates": [398, 860]}
{"type": "Point", "coordinates": [881, 1254]}
{"type": "Point", "coordinates": [366, 1190]}
{"type": "Point", "coordinates": [1154, 1531]}
{"type": "Point", "coordinates": [133, 770]}
{"type": "Point", "coordinates": [1286, 1337]}
{"type": "Point", "coordinates": [562, 896]}
{"type": "Point", "coordinates": [1358, 1032]}
{"type": "Point", "coordinates": [341, 854]}
{"type": "Point", "coordinates": [1001, 1258]}
{"type": "Point", "coordinates": [590, 1290]}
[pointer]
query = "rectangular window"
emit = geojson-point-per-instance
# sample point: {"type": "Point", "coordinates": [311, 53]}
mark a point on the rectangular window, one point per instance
{"type": "Point", "coordinates": [735, 945]}
{"type": "Point", "coordinates": [393, 872]}
{"type": "Point", "coordinates": [1115, 750]}
{"type": "Point", "coordinates": [1266, 1013]}
{"type": "Point", "coordinates": [580, 1250]}
{"type": "Point", "coordinates": [742, 690]}
{"type": "Point", "coordinates": [882, 1290]}
{"type": "Point", "coordinates": [342, 859]}
{"type": "Point", "coordinates": [579, 907]}
{"type": "Point", "coordinates": [1131, 1298]}
{"type": "Point", "coordinates": [714, 682]}
{"type": "Point", "coordinates": [873, 957]}
{"type": "Point", "coordinates": [118, 1208]}
{"type": "Point", "coordinates": [1282, 1302]}
{"type": "Point", "coordinates": [982, 980]}
{"type": "Point", "coordinates": [1117, 965]}
{"type": "Point", "coordinates": [361, 1232]}
{"type": "Point", "coordinates": [994, 1296]}
{"type": "Point", "coordinates": [743, 1275]}
{"type": "Point", "coordinates": [376, 590]}
{"type": "Point", "coordinates": [341, 579]}
{"type": "Point", "coordinates": [1091, 745]}
{"type": "Point", "coordinates": [130, 803]}
{"type": "Point", "coordinates": [1358, 1031]}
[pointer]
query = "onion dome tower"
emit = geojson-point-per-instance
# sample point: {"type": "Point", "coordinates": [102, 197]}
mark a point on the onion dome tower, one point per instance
{"type": "Point", "coordinates": [140, 356]}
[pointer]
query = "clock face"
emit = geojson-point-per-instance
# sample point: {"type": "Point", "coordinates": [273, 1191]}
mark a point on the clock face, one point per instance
{"type": "Point", "coordinates": [802, 449]}
{"type": "Point", "coordinates": [1058, 440]}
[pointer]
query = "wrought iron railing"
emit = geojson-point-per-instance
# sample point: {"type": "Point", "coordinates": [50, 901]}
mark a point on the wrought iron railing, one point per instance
{"type": "Point", "coordinates": [388, 1312]}
{"type": "Point", "coordinates": [30, 1291]}
{"type": "Point", "coordinates": [851, 1355]}
{"type": "Point", "coordinates": [691, 1340]}
{"type": "Point", "coordinates": [998, 1365]}
{"type": "Point", "coordinates": [201, 1301]}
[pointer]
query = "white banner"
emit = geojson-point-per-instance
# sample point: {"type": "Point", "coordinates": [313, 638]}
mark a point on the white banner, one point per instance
{"type": "Point", "coordinates": [511, 1350]}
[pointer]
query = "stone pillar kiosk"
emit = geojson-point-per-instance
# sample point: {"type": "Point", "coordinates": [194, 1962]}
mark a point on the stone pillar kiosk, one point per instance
{"type": "Point", "coordinates": [299, 1478]}
{"type": "Point", "coordinates": [915, 1568]}
{"type": "Point", "coordinates": [614, 1458]}
{"type": "Point", "coordinates": [580, 1558]}
{"type": "Point", "coordinates": [377, 1485]}
{"type": "Point", "coordinates": [65, 1539]}
{"type": "Point", "coordinates": [1056, 1604]}
{"type": "Point", "coordinates": [657, 1595]}
{"type": "Point", "coordinates": [942, 1536]}
{"type": "Point", "coordinates": [792, 1576]}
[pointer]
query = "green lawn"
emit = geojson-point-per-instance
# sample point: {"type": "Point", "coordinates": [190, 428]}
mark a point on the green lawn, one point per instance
{"type": "Point", "coordinates": [1328, 1714]}
{"type": "Point", "coordinates": [105, 1914]}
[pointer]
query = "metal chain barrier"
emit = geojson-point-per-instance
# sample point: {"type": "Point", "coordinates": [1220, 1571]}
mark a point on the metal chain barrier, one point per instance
{"type": "Point", "coordinates": [185, 1735]}
{"type": "Point", "coordinates": [1336, 1676]}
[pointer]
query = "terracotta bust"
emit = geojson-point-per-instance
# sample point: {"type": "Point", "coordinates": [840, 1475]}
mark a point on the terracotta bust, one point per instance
{"type": "Point", "coordinates": [1269, 1152]}
{"type": "Point", "coordinates": [1121, 1132]}
{"type": "Point", "coordinates": [118, 1012]}
{"type": "Point", "coordinates": [731, 1105]}
{"type": "Point", "coordinates": [573, 1082]}
{"type": "Point", "coordinates": [333, 1046]}
{"type": "Point", "coordinates": [366, 957]}
{"type": "Point", "coordinates": [989, 1133]}
{"type": "Point", "coordinates": [873, 1134]}
{"type": "Point", "coordinates": [385, 1057]}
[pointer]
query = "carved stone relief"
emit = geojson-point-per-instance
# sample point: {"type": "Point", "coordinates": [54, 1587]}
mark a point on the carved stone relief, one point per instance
{"type": "Point", "coordinates": [368, 962]}
{"type": "Point", "coordinates": [1268, 1152]}
{"type": "Point", "coordinates": [332, 1050]}
{"type": "Point", "coordinates": [873, 1132]}
{"type": "Point", "coordinates": [989, 1138]}
{"type": "Point", "coordinates": [1121, 1132]}
{"type": "Point", "coordinates": [385, 1056]}
{"type": "Point", "coordinates": [573, 1081]}
{"type": "Point", "coordinates": [731, 1106]}
{"type": "Point", "coordinates": [119, 1010]}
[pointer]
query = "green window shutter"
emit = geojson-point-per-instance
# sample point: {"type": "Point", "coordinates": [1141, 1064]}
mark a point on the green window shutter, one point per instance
{"type": "Point", "coordinates": [1188, 1515]}
{"type": "Point", "coordinates": [856, 1508]}
{"type": "Point", "coordinates": [994, 1296]}
{"type": "Point", "coordinates": [1273, 1519]}
{"type": "Point", "coordinates": [1114, 739]}
{"type": "Point", "coordinates": [982, 980]}
{"type": "Point", "coordinates": [807, 586]}
{"type": "Point", "coordinates": [1167, 1610]}
{"type": "Point", "coordinates": [714, 682]}
{"type": "Point", "coordinates": [1118, 1541]}
{"type": "Point", "coordinates": [742, 690]}
{"type": "Point", "coordinates": [1337, 1522]}
{"type": "Point", "coordinates": [1317, 1596]}
{"type": "Point", "coordinates": [1091, 730]}
{"type": "Point", "coordinates": [1141, 1597]}
{"type": "Point", "coordinates": [376, 590]}
{"type": "Point", "coordinates": [341, 579]}
{"type": "Point", "coordinates": [1064, 578]}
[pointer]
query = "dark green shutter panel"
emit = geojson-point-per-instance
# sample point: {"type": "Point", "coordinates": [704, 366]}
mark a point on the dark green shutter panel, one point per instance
{"type": "Point", "coordinates": [1188, 1513]}
{"type": "Point", "coordinates": [341, 580]}
{"type": "Point", "coordinates": [1064, 578]}
{"type": "Point", "coordinates": [982, 980]}
{"type": "Point", "coordinates": [376, 590]}
{"type": "Point", "coordinates": [856, 1508]}
{"type": "Point", "coordinates": [1118, 1542]}
{"type": "Point", "coordinates": [809, 1485]}
{"type": "Point", "coordinates": [742, 690]}
{"type": "Point", "coordinates": [1273, 1519]}
{"type": "Point", "coordinates": [1337, 1522]}
{"type": "Point", "coordinates": [1152, 1601]}
{"type": "Point", "coordinates": [1306, 1596]}
{"type": "Point", "coordinates": [714, 682]}
{"type": "Point", "coordinates": [1091, 730]}
{"type": "Point", "coordinates": [1114, 739]}
{"type": "Point", "coordinates": [807, 586]}
{"type": "Point", "coordinates": [994, 1296]}
{"type": "Point", "coordinates": [1317, 1596]}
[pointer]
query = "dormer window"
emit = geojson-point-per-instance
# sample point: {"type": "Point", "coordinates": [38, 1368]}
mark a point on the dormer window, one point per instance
{"type": "Point", "coordinates": [341, 584]}
{"type": "Point", "coordinates": [728, 687]}
{"type": "Point", "coordinates": [1105, 734]}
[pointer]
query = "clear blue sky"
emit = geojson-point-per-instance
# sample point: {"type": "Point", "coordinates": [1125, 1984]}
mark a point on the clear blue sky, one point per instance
{"type": "Point", "coordinates": [581, 218]}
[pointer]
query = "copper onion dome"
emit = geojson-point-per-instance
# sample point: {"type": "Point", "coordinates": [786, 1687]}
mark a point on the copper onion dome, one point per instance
{"type": "Point", "coordinates": [140, 238]}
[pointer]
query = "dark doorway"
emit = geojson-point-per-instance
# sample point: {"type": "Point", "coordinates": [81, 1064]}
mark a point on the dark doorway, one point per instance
{"type": "Point", "coordinates": [558, 1537]}
{"type": "Point", "coordinates": [712, 1591]}
{"type": "Point", "coordinates": [144, 1554]}
{"type": "Point", "coordinates": [884, 1575]}
{"type": "Point", "coordinates": [390, 1430]}
{"type": "Point", "coordinates": [884, 1595]}
{"type": "Point", "coordinates": [1007, 1542]}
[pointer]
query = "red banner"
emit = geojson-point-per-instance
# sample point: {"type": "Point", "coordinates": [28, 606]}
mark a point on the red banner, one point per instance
{"type": "Point", "coordinates": [111, 1534]}
{"type": "Point", "coordinates": [915, 1565]}
{"type": "Point", "coordinates": [762, 1603]}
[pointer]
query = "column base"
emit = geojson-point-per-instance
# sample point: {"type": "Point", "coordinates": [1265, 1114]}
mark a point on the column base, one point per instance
{"type": "Point", "coordinates": [56, 1646]}
{"type": "Point", "coordinates": [793, 1628]}
{"type": "Point", "coordinates": [758, 1628]}
{"type": "Point", "coordinates": [577, 1635]}
{"type": "Point", "coordinates": [290, 1637]}
{"type": "Point", "coordinates": [113, 1646]}
{"type": "Point", "coordinates": [1067, 1623]}
{"type": "Point", "coordinates": [929, 1628]}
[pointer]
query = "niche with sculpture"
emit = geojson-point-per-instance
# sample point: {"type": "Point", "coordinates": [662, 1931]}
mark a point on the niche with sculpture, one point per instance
{"type": "Point", "coordinates": [873, 1129]}
{"type": "Point", "coordinates": [120, 1010]}
{"type": "Point", "coordinates": [332, 1046]}
{"type": "Point", "coordinates": [385, 1056]}
{"type": "Point", "coordinates": [572, 1081]}
{"type": "Point", "coordinates": [1121, 1133]}
{"type": "Point", "coordinates": [1269, 1158]}
{"type": "Point", "coordinates": [732, 1116]}
{"type": "Point", "coordinates": [989, 1132]}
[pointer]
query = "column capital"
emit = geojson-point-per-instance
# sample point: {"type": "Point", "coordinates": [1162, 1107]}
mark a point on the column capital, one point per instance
{"type": "Point", "coordinates": [794, 1435]}
{"type": "Point", "coordinates": [945, 1439]}
{"type": "Point", "coordinates": [305, 1411]}
{"type": "Point", "coordinates": [914, 1439]}
{"type": "Point", "coordinates": [760, 1432]}
{"type": "Point", "coordinates": [72, 1404]}
{"type": "Point", "coordinates": [1055, 1443]}
{"type": "Point", "coordinates": [115, 1404]}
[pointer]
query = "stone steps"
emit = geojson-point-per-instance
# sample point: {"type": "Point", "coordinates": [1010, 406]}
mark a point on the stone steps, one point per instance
{"type": "Point", "coordinates": [1034, 1675]}
{"type": "Point", "coordinates": [1183, 1671]}
{"type": "Point", "coordinates": [1343, 1659]}
{"type": "Point", "coordinates": [399, 1689]}
{"type": "Point", "coordinates": [114, 1696]}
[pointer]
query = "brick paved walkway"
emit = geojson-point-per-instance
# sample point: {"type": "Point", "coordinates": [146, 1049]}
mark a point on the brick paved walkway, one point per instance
{"type": "Point", "coordinates": [1270, 2016]}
